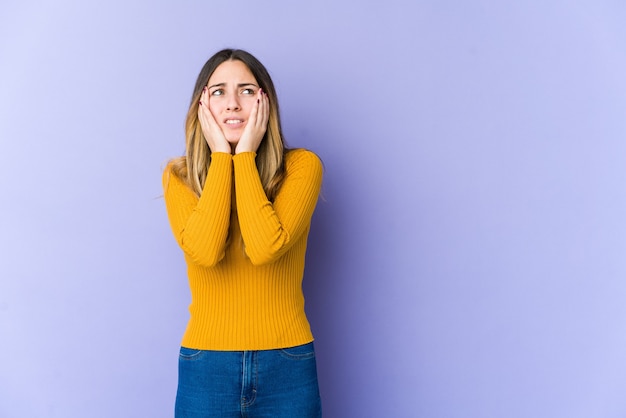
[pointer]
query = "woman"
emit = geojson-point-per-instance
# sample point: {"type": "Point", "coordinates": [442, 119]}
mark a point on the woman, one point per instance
{"type": "Point", "coordinates": [240, 206]}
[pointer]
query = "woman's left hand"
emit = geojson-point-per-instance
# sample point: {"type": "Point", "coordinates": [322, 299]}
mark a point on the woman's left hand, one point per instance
{"type": "Point", "coordinates": [257, 125]}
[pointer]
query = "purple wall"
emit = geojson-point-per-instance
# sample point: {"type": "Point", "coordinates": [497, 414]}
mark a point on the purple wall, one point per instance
{"type": "Point", "coordinates": [469, 257]}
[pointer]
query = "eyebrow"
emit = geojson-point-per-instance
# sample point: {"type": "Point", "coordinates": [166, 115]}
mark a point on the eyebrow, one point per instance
{"type": "Point", "coordinates": [238, 85]}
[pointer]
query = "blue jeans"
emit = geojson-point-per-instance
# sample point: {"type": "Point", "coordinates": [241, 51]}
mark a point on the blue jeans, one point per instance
{"type": "Point", "coordinates": [268, 383]}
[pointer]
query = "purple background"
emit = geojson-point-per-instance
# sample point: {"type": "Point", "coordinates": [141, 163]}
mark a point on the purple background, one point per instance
{"type": "Point", "coordinates": [468, 259]}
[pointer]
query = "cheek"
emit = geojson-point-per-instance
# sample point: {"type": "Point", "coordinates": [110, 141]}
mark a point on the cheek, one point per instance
{"type": "Point", "coordinates": [246, 106]}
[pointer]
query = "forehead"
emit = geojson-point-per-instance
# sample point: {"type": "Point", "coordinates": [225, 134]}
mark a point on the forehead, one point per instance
{"type": "Point", "coordinates": [234, 71]}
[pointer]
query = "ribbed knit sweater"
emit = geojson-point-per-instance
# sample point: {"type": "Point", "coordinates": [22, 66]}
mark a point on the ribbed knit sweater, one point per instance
{"type": "Point", "coordinates": [245, 255]}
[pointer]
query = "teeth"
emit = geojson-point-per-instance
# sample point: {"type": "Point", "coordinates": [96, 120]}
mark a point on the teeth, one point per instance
{"type": "Point", "coordinates": [233, 121]}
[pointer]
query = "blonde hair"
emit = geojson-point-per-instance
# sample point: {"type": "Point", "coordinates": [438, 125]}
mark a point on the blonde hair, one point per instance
{"type": "Point", "coordinates": [192, 168]}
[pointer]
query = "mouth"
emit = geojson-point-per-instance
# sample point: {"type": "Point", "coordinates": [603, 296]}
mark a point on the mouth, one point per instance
{"type": "Point", "coordinates": [233, 121]}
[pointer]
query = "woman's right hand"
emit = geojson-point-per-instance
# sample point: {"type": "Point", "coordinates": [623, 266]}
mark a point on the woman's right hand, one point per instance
{"type": "Point", "coordinates": [212, 132]}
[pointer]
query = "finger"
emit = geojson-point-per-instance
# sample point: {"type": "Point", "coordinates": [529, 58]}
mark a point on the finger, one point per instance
{"type": "Point", "coordinates": [207, 122]}
{"type": "Point", "coordinates": [202, 97]}
{"type": "Point", "coordinates": [254, 113]}
{"type": "Point", "coordinates": [202, 102]}
{"type": "Point", "coordinates": [202, 114]}
{"type": "Point", "coordinates": [204, 109]}
{"type": "Point", "coordinates": [264, 111]}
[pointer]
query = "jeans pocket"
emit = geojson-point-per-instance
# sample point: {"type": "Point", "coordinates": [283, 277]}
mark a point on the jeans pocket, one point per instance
{"type": "Point", "coordinates": [189, 353]}
{"type": "Point", "coordinates": [300, 352]}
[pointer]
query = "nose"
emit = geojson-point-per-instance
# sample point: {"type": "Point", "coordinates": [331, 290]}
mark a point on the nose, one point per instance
{"type": "Point", "coordinates": [233, 103]}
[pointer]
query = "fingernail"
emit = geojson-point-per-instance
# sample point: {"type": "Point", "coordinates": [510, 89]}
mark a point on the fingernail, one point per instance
{"type": "Point", "coordinates": [200, 103]}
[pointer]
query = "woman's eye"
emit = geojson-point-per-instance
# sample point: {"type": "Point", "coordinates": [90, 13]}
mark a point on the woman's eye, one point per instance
{"type": "Point", "coordinates": [217, 92]}
{"type": "Point", "coordinates": [247, 91]}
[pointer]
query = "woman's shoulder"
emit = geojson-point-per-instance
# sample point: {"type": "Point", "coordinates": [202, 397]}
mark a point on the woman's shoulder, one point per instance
{"type": "Point", "coordinates": [301, 156]}
{"type": "Point", "coordinates": [302, 163]}
{"type": "Point", "coordinates": [168, 171]}
{"type": "Point", "coordinates": [174, 172]}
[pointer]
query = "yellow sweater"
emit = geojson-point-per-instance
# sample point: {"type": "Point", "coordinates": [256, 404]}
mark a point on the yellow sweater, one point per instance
{"type": "Point", "coordinates": [245, 255]}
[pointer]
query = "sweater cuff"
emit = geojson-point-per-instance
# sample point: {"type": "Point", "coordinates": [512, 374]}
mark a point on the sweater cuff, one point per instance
{"type": "Point", "coordinates": [245, 165]}
{"type": "Point", "coordinates": [220, 157]}
{"type": "Point", "coordinates": [245, 156]}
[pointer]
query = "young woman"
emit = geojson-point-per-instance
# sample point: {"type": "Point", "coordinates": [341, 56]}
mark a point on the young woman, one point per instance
{"type": "Point", "coordinates": [240, 206]}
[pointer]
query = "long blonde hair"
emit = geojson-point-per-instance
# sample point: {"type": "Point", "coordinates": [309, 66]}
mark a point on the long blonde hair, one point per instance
{"type": "Point", "coordinates": [192, 168]}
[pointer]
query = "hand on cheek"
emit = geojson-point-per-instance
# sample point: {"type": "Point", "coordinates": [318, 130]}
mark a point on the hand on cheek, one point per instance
{"type": "Point", "coordinates": [257, 125]}
{"type": "Point", "coordinates": [210, 129]}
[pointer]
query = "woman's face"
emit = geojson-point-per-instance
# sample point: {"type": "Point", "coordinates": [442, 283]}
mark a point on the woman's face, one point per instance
{"type": "Point", "coordinates": [232, 93]}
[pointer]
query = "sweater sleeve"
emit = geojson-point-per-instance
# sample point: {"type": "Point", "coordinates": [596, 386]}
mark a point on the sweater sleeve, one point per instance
{"type": "Point", "coordinates": [270, 229]}
{"type": "Point", "coordinates": [200, 226]}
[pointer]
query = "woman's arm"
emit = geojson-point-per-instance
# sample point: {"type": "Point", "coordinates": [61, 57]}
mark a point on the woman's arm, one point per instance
{"type": "Point", "coordinates": [270, 229]}
{"type": "Point", "coordinates": [200, 226]}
